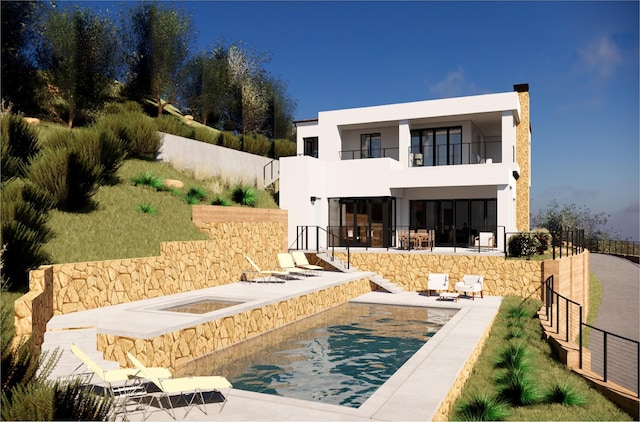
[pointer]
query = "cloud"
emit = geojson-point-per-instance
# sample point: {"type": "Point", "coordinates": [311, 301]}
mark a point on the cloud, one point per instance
{"type": "Point", "coordinates": [455, 84]}
{"type": "Point", "coordinates": [600, 58]}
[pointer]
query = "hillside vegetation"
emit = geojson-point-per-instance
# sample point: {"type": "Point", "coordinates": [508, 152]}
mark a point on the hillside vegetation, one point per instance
{"type": "Point", "coordinates": [132, 220]}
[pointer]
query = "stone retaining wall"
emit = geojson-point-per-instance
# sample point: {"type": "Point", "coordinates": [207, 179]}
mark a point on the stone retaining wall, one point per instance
{"type": "Point", "coordinates": [502, 277]}
{"type": "Point", "coordinates": [181, 266]}
{"type": "Point", "coordinates": [175, 349]}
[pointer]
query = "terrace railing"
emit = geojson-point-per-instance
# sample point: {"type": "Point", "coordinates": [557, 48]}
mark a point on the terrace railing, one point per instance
{"type": "Point", "coordinates": [611, 356]}
{"type": "Point", "coordinates": [358, 154]}
{"type": "Point", "coordinates": [310, 235]}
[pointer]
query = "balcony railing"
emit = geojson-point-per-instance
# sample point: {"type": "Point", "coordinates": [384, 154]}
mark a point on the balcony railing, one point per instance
{"type": "Point", "coordinates": [455, 154]}
{"type": "Point", "coordinates": [357, 154]}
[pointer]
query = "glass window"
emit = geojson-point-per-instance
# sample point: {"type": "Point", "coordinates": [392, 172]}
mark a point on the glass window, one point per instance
{"type": "Point", "coordinates": [311, 146]}
{"type": "Point", "coordinates": [455, 146]}
{"type": "Point", "coordinates": [441, 147]}
{"type": "Point", "coordinates": [371, 145]}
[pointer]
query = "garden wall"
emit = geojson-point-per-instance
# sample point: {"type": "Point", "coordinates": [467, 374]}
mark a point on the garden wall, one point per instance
{"type": "Point", "coordinates": [181, 266]}
{"type": "Point", "coordinates": [175, 349]}
{"type": "Point", "coordinates": [502, 277]}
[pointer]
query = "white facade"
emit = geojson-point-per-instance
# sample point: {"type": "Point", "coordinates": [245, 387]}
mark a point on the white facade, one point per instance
{"type": "Point", "coordinates": [446, 165]}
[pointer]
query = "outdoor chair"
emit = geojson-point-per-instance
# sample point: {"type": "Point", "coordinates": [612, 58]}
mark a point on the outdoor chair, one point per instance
{"type": "Point", "coordinates": [437, 282]}
{"type": "Point", "coordinates": [285, 260]}
{"type": "Point", "coordinates": [123, 385]}
{"type": "Point", "coordinates": [301, 261]}
{"type": "Point", "coordinates": [485, 240]}
{"type": "Point", "coordinates": [470, 284]}
{"type": "Point", "coordinates": [183, 388]}
{"type": "Point", "coordinates": [269, 274]}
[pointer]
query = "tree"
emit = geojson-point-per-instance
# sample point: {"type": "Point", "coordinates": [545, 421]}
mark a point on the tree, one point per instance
{"type": "Point", "coordinates": [571, 217]}
{"type": "Point", "coordinates": [79, 53]}
{"type": "Point", "coordinates": [19, 81]}
{"type": "Point", "coordinates": [206, 81]}
{"type": "Point", "coordinates": [160, 38]}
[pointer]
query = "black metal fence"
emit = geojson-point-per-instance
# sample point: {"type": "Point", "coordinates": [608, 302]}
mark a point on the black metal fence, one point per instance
{"type": "Point", "coordinates": [626, 248]}
{"type": "Point", "coordinates": [613, 357]}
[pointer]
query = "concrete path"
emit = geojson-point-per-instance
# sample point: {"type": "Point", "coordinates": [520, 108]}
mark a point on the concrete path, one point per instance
{"type": "Point", "coordinates": [619, 314]}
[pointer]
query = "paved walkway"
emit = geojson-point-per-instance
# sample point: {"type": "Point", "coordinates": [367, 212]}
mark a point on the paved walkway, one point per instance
{"type": "Point", "coordinates": [619, 314]}
{"type": "Point", "coordinates": [414, 392]}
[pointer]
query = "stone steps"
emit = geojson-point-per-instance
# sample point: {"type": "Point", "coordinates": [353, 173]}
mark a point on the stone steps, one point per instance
{"type": "Point", "coordinates": [377, 279]}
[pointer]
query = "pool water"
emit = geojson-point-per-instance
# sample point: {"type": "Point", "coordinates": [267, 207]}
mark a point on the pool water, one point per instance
{"type": "Point", "coordinates": [340, 356]}
{"type": "Point", "coordinates": [201, 306]}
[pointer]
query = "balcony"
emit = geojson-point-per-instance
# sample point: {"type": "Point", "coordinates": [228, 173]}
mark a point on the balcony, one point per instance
{"type": "Point", "coordinates": [358, 154]}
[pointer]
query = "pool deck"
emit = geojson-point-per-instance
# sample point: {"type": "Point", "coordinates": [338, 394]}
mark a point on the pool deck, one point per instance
{"type": "Point", "coordinates": [414, 392]}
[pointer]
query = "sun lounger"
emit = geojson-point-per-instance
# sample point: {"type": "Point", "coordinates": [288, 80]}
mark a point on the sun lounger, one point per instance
{"type": "Point", "coordinates": [285, 260]}
{"type": "Point", "coordinates": [189, 389]}
{"type": "Point", "coordinates": [300, 259]}
{"type": "Point", "coordinates": [268, 273]}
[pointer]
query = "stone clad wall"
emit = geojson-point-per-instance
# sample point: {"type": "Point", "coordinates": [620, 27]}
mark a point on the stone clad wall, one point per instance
{"type": "Point", "coordinates": [502, 277]}
{"type": "Point", "coordinates": [175, 349]}
{"type": "Point", "coordinates": [523, 158]}
{"type": "Point", "coordinates": [181, 266]}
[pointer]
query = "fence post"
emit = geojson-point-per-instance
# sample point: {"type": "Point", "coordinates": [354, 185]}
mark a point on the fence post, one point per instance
{"type": "Point", "coordinates": [605, 356]}
{"type": "Point", "coordinates": [580, 335]}
{"type": "Point", "coordinates": [566, 315]}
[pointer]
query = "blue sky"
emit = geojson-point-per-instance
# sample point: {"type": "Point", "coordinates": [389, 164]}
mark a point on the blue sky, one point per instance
{"type": "Point", "coordinates": [580, 60]}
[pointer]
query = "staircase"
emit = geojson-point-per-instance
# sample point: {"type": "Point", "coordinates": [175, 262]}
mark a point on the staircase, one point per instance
{"type": "Point", "coordinates": [377, 279]}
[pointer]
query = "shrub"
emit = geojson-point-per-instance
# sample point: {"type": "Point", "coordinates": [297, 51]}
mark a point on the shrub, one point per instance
{"type": "Point", "coordinates": [517, 387]}
{"type": "Point", "coordinates": [244, 195]}
{"type": "Point", "coordinates": [174, 125]}
{"type": "Point", "coordinates": [19, 145]}
{"type": "Point", "coordinates": [150, 179]}
{"type": "Point", "coordinates": [25, 393]}
{"type": "Point", "coordinates": [256, 144]}
{"type": "Point", "coordinates": [208, 135]}
{"type": "Point", "coordinates": [24, 214]}
{"type": "Point", "coordinates": [564, 394]}
{"type": "Point", "coordinates": [229, 140]}
{"type": "Point", "coordinates": [284, 148]}
{"type": "Point", "coordinates": [523, 244]}
{"type": "Point", "coordinates": [544, 239]}
{"type": "Point", "coordinates": [481, 408]}
{"type": "Point", "coordinates": [221, 200]}
{"type": "Point", "coordinates": [195, 196]}
{"type": "Point", "coordinates": [122, 108]}
{"type": "Point", "coordinates": [514, 357]}
{"type": "Point", "coordinates": [138, 133]}
{"type": "Point", "coordinates": [147, 209]}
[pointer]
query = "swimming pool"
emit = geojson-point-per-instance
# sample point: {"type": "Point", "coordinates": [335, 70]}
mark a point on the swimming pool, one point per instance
{"type": "Point", "coordinates": [340, 356]}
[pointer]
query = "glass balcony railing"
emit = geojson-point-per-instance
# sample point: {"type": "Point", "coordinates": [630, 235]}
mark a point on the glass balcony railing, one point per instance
{"type": "Point", "coordinates": [437, 155]}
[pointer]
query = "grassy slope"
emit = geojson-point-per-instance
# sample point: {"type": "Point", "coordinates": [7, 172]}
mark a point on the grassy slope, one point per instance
{"type": "Point", "coordinates": [117, 230]}
{"type": "Point", "coordinates": [546, 371]}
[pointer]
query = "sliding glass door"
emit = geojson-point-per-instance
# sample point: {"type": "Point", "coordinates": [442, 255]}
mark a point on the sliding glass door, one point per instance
{"type": "Point", "coordinates": [455, 221]}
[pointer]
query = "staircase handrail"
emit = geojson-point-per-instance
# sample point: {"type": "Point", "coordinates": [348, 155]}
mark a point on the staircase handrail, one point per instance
{"type": "Point", "coordinates": [304, 230]}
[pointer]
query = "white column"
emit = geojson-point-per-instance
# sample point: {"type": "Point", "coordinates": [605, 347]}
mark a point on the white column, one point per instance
{"type": "Point", "coordinates": [404, 142]}
{"type": "Point", "coordinates": [508, 137]}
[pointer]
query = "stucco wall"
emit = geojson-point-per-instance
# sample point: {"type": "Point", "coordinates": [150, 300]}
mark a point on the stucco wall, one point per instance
{"type": "Point", "coordinates": [207, 160]}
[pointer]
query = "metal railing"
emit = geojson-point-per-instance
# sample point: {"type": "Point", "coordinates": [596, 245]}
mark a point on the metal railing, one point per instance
{"type": "Point", "coordinates": [305, 234]}
{"type": "Point", "coordinates": [625, 248]}
{"type": "Point", "coordinates": [567, 315]}
{"type": "Point", "coordinates": [270, 172]}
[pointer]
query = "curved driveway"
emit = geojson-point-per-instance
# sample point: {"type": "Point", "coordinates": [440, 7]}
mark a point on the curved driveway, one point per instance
{"type": "Point", "coordinates": [619, 314]}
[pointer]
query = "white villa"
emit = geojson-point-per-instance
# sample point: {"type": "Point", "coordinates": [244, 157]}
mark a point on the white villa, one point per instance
{"type": "Point", "coordinates": [457, 166]}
